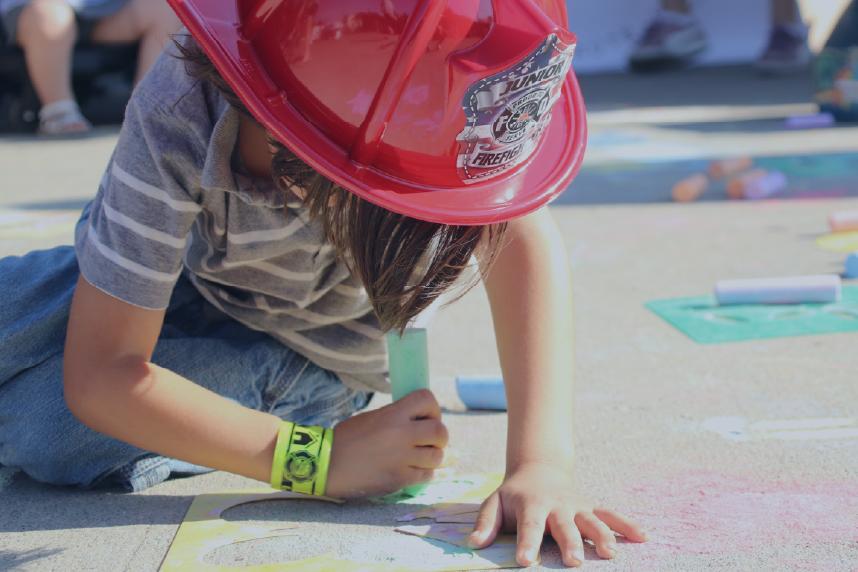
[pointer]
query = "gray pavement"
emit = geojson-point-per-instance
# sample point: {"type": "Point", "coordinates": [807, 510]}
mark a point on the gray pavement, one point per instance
{"type": "Point", "coordinates": [735, 457]}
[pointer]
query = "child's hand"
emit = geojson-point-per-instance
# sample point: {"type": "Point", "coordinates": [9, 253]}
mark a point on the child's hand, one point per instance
{"type": "Point", "coordinates": [540, 498]}
{"type": "Point", "coordinates": [381, 451]}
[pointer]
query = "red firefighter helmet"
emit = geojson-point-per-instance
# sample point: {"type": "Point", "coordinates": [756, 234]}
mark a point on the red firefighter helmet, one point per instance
{"type": "Point", "coordinates": [456, 112]}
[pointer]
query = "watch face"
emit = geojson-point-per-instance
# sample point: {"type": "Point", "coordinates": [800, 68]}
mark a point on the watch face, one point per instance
{"type": "Point", "coordinates": [301, 466]}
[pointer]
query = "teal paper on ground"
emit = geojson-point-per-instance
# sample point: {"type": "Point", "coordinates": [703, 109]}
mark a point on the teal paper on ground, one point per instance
{"type": "Point", "coordinates": [705, 322]}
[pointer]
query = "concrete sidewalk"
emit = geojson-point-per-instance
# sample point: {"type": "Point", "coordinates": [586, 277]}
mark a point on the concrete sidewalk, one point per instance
{"type": "Point", "coordinates": [646, 396]}
{"type": "Point", "coordinates": [668, 431]}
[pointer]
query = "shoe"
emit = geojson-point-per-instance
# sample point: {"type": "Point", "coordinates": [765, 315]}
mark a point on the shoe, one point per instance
{"type": "Point", "coordinates": [62, 118]}
{"type": "Point", "coordinates": [787, 51]}
{"type": "Point", "coordinates": [671, 39]}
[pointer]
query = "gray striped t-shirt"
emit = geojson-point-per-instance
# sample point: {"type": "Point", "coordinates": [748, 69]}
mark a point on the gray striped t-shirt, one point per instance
{"type": "Point", "coordinates": [173, 200]}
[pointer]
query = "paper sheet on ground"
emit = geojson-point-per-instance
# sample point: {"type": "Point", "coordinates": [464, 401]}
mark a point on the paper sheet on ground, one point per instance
{"type": "Point", "coordinates": [501, 554]}
{"type": "Point", "coordinates": [449, 487]}
{"type": "Point", "coordinates": [442, 511]}
{"type": "Point", "coordinates": [204, 530]}
{"type": "Point", "coordinates": [705, 322]}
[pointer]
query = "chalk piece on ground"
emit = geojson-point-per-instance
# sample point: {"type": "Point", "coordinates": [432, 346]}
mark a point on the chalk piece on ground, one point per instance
{"type": "Point", "coordinates": [757, 185]}
{"type": "Point", "coordinates": [843, 221]}
{"type": "Point", "coordinates": [772, 184]}
{"type": "Point", "coordinates": [737, 185]}
{"type": "Point", "coordinates": [821, 289]}
{"type": "Point", "coordinates": [481, 392]}
{"type": "Point", "coordinates": [690, 189]}
{"type": "Point", "coordinates": [812, 121]}
{"type": "Point", "coordinates": [729, 167]}
{"type": "Point", "coordinates": [852, 265]}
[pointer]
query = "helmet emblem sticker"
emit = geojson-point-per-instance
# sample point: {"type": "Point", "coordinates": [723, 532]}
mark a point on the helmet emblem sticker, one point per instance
{"type": "Point", "coordinates": [507, 112]}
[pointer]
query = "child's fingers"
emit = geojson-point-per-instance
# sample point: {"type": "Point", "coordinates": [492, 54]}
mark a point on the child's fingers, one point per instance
{"type": "Point", "coordinates": [621, 524]}
{"type": "Point", "coordinates": [599, 533]}
{"type": "Point", "coordinates": [427, 457]}
{"type": "Point", "coordinates": [415, 476]}
{"type": "Point", "coordinates": [420, 404]}
{"type": "Point", "coordinates": [568, 539]}
{"type": "Point", "coordinates": [488, 523]}
{"type": "Point", "coordinates": [531, 530]}
{"type": "Point", "coordinates": [429, 433]}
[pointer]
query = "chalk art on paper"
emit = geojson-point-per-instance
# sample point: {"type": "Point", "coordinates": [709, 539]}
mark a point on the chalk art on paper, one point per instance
{"type": "Point", "coordinates": [205, 538]}
{"type": "Point", "coordinates": [500, 554]}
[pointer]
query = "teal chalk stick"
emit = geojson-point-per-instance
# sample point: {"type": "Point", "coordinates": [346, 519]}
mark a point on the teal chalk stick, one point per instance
{"type": "Point", "coordinates": [409, 361]}
{"type": "Point", "coordinates": [408, 357]}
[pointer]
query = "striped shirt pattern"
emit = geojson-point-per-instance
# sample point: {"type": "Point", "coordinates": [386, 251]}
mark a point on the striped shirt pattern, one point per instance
{"type": "Point", "coordinates": [174, 200]}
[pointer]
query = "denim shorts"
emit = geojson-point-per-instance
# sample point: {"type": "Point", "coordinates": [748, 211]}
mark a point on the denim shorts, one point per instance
{"type": "Point", "coordinates": [40, 436]}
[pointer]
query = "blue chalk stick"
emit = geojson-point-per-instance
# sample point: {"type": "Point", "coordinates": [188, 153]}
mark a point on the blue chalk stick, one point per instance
{"type": "Point", "coordinates": [481, 392]}
{"type": "Point", "coordinates": [852, 265]}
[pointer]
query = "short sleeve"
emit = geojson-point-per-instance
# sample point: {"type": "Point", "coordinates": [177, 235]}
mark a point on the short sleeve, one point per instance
{"type": "Point", "coordinates": [132, 238]}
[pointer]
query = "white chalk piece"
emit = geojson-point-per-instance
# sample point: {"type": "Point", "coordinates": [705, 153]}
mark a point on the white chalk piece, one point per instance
{"type": "Point", "coordinates": [843, 221]}
{"type": "Point", "coordinates": [820, 289]}
{"type": "Point", "coordinates": [812, 121]}
{"type": "Point", "coordinates": [764, 187]}
{"type": "Point", "coordinates": [852, 265]}
{"type": "Point", "coordinates": [481, 392]}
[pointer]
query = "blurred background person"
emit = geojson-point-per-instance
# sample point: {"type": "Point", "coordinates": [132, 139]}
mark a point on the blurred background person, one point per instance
{"type": "Point", "coordinates": [676, 37]}
{"type": "Point", "coordinates": [47, 31]}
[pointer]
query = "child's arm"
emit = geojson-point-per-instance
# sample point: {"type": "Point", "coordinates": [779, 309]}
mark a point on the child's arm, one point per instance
{"type": "Point", "coordinates": [112, 386]}
{"type": "Point", "coordinates": [529, 289]}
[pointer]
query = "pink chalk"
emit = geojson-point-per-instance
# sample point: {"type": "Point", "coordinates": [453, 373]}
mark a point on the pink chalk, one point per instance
{"type": "Point", "coordinates": [812, 121]}
{"type": "Point", "coordinates": [729, 167]}
{"type": "Point", "coordinates": [843, 221]}
{"type": "Point", "coordinates": [820, 289]}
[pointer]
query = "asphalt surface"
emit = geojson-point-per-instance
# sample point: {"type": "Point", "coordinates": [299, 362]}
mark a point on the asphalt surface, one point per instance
{"type": "Point", "coordinates": [738, 456]}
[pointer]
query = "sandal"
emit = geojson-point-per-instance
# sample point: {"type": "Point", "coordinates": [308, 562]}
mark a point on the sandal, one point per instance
{"type": "Point", "coordinates": [63, 118]}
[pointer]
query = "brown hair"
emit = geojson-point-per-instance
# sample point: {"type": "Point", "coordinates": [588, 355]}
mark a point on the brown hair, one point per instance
{"type": "Point", "coordinates": [403, 263]}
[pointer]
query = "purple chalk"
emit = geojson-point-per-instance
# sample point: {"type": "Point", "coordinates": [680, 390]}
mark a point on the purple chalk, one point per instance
{"type": "Point", "coordinates": [852, 265]}
{"type": "Point", "coordinates": [788, 290]}
{"type": "Point", "coordinates": [482, 392]}
{"type": "Point", "coordinates": [770, 184]}
{"type": "Point", "coordinates": [813, 121]}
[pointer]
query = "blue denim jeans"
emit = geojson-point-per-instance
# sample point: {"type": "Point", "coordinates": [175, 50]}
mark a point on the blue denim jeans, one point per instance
{"type": "Point", "coordinates": [39, 435]}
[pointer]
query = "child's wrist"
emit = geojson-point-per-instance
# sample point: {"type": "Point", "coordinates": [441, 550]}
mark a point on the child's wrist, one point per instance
{"type": "Point", "coordinates": [302, 458]}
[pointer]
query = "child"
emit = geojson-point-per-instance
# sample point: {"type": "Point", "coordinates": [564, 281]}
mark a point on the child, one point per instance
{"type": "Point", "coordinates": [265, 219]}
{"type": "Point", "coordinates": [675, 37]}
{"type": "Point", "coordinates": [47, 31]}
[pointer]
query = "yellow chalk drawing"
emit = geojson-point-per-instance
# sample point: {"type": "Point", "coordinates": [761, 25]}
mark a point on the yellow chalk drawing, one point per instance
{"type": "Point", "coordinates": [204, 530]}
{"type": "Point", "coordinates": [844, 242]}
